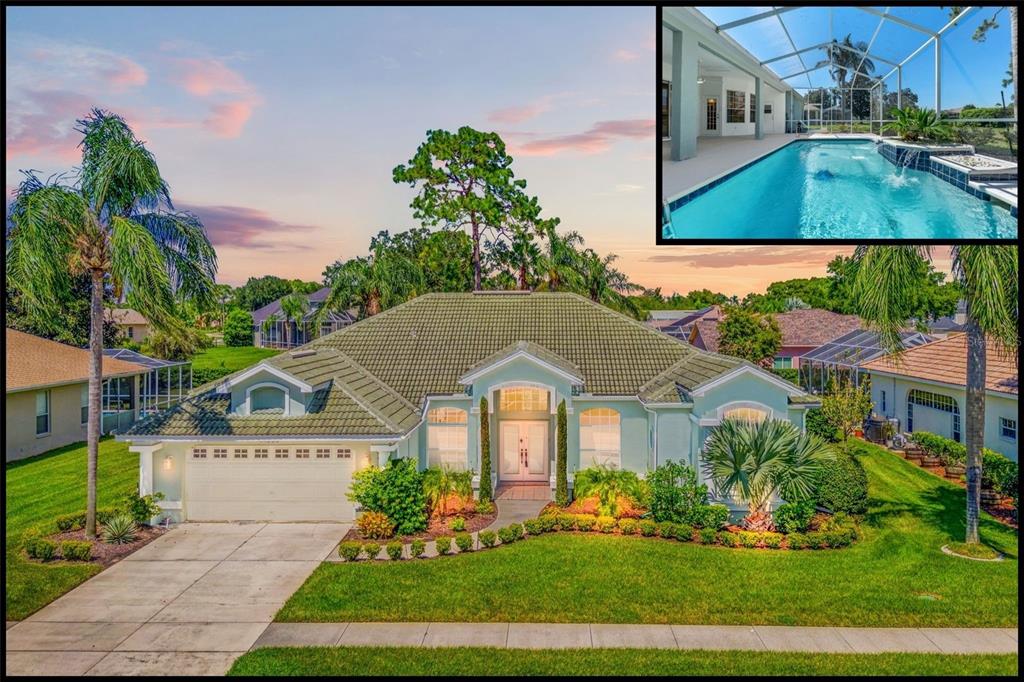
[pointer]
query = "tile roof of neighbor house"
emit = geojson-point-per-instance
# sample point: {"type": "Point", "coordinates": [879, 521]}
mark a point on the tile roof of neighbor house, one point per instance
{"type": "Point", "coordinates": [801, 328]}
{"type": "Point", "coordinates": [34, 362]}
{"type": "Point", "coordinates": [124, 316]}
{"type": "Point", "coordinates": [374, 376]}
{"type": "Point", "coordinates": [945, 361]}
{"type": "Point", "coordinates": [317, 297]}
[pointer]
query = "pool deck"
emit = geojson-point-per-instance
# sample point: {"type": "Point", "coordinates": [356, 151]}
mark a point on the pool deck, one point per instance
{"type": "Point", "coordinates": [717, 156]}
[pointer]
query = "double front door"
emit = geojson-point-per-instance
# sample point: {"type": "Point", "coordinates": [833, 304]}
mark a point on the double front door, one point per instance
{"type": "Point", "coordinates": [524, 451]}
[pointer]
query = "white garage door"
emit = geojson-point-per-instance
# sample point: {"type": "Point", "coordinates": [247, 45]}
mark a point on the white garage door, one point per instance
{"type": "Point", "coordinates": [271, 489]}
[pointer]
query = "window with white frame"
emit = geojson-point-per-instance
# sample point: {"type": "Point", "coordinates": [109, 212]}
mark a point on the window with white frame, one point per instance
{"type": "Point", "coordinates": [753, 107]}
{"type": "Point", "coordinates": [883, 403]}
{"type": "Point", "coordinates": [523, 399]}
{"type": "Point", "coordinates": [261, 453]}
{"type": "Point", "coordinates": [301, 453]}
{"type": "Point", "coordinates": [344, 453]}
{"type": "Point", "coordinates": [280, 453]}
{"type": "Point", "coordinates": [198, 453]}
{"type": "Point", "coordinates": [600, 438]}
{"type": "Point", "coordinates": [220, 453]}
{"type": "Point", "coordinates": [323, 453]}
{"type": "Point", "coordinates": [750, 415]}
{"type": "Point", "coordinates": [268, 400]}
{"type": "Point", "coordinates": [85, 403]}
{"type": "Point", "coordinates": [1008, 429]}
{"type": "Point", "coordinates": [935, 401]}
{"type": "Point", "coordinates": [447, 438]}
{"type": "Point", "coordinates": [782, 363]}
{"type": "Point", "coordinates": [241, 453]}
{"type": "Point", "coordinates": [42, 413]}
{"type": "Point", "coordinates": [735, 102]}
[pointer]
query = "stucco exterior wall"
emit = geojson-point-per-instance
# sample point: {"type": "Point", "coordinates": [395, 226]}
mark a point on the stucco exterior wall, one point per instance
{"type": "Point", "coordinates": [66, 427]}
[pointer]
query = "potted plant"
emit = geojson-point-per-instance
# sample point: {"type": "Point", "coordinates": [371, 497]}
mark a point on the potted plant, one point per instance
{"type": "Point", "coordinates": [888, 430]}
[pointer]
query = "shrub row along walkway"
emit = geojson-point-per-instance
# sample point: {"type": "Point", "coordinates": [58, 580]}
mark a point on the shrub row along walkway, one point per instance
{"type": "Point", "coordinates": [593, 636]}
{"type": "Point", "coordinates": [509, 512]}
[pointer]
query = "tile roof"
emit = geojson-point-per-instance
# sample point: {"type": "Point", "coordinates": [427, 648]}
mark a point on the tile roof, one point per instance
{"type": "Point", "coordinates": [801, 328]}
{"type": "Point", "coordinates": [381, 370]}
{"type": "Point", "coordinates": [945, 361]}
{"type": "Point", "coordinates": [124, 316]}
{"type": "Point", "coordinates": [34, 362]}
{"type": "Point", "coordinates": [534, 349]}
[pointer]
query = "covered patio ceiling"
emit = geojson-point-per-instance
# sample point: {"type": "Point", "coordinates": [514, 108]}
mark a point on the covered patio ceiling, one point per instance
{"type": "Point", "coordinates": [807, 46]}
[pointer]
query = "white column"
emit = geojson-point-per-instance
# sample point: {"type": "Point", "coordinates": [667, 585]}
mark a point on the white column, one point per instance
{"type": "Point", "coordinates": [938, 75]}
{"type": "Point", "coordinates": [684, 95]}
{"type": "Point", "coordinates": [899, 87]}
{"type": "Point", "coordinates": [758, 107]}
{"type": "Point", "coordinates": [146, 466]}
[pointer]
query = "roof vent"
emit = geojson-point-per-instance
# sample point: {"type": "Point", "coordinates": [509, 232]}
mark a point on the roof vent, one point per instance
{"type": "Point", "coordinates": [302, 353]}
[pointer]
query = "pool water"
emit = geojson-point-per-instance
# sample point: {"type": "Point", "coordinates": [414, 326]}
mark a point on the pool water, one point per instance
{"type": "Point", "coordinates": [837, 189]}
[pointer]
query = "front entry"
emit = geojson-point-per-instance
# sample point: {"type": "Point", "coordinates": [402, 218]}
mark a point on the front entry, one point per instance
{"type": "Point", "coordinates": [524, 451]}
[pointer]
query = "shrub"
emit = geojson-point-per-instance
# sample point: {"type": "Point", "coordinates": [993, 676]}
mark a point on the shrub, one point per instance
{"type": "Point", "coordinates": [648, 528]}
{"type": "Point", "coordinates": [608, 485]}
{"type": "Point", "coordinates": [629, 526]}
{"type": "Point", "coordinates": [395, 491]}
{"type": "Point", "coordinates": [707, 536]}
{"type": "Point", "coordinates": [727, 538]}
{"type": "Point", "coordinates": [104, 515]}
{"type": "Point", "coordinates": [675, 495]}
{"type": "Point", "coordinates": [840, 521]}
{"type": "Point", "coordinates": [794, 517]}
{"type": "Point", "coordinates": [533, 526]}
{"type": "Point", "coordinates": [394, 550]}
{"type": "Point", "coordinates": [464, 541]}
{"type": "Point", "coordinates": [667, 529]}
{"type": "Point", "coordinates": [119, 530]}
{"type": "Point", "coordinates": [506, 536]}
{"type": "Point", "coordinates": [375, 525]}
{"type": "Point", "coordinates": [443, 544]}
{"type": "Point", "coordinates": [772, 540]}
{"type": "Point", "coordinates": [349, 550]}
{"type": "Point", "coordinates": [684, 532]}
{"type": "Point", "coordinates": [606, 524]}
{"type": "Point", "coordinates": [816, 540]}
{"type": "Point", "coordinates": [142, 508]}
{"type": "Point", "coordinates": [548, 523]}
{"type": "Point", "coordinates": [561, 458]}
{"type": "Point", "coordinates": [565, 522]}
{"type": "Point", "coordinates": [713, 516]}
{"type": "Point", "coordinates": [817, 425]}
{"type": "Point", "coordinates": [838, 538]}
{"type": "Point", "coordinates": [946, 449]}
{"type": "Point", "coordinates": [458, 524]}
{"type": "Point", "coordinates": [484, 507]}
{"type": "Point", "coordinates": [238, 328]}
{"type": "Point", "coordinates": [68, 522]}
{"type": "Point", "coordinates": [41, 548]}
{"type": "Point", "coordinates": [442, 484]}
{"type": "Point", "coordinates": [74, 550]}
{"type": "Point", "coordinates": [417, 548]}
{"type": "Point", "coordinates": [486, 492]}
{"type": "Point", "coordinates": [843, 485]}
{"type": "Point", "coordinates": [517, 530]}
{"type": "Point", "coordinates": [585, 522]}
{"type": "Point", "coordinates": [749, 539]}
{"type": "Point", "coordinates": [371, 550]}
{"type": "Point", "coordinates": [487, 538]}
{"type": "Point", "coordinates": [998, 473]}
{"type": "Point", "coordinates": [797, 541]}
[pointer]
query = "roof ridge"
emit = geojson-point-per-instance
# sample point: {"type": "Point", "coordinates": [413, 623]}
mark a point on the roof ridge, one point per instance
{"type": "Point", "coordinates": [615, 313]}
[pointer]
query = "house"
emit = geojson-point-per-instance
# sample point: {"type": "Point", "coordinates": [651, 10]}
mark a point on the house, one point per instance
{"type": "Point", "coordinates": [47, 393]}
{"type": "Point", "coordinates": [681, 322]}
{"type": "Point", "coordinates": [802, 331]}
{"type": "Point", "coordinates": [281, 439]}
{"type": "Point", "coordinates": [844, 357]}
{"type": "Point", "coordinates": [926, 391]}
{"type": "Point", "coordinates": [272, 329]}
{"type": "Point", "coordinates": [130, 323]}
{"type": "Point", "coordinates": [950, 324]}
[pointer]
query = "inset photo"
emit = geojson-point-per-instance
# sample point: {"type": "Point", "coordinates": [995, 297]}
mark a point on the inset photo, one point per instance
{"type": "Point", "coordinates": [837, 123]}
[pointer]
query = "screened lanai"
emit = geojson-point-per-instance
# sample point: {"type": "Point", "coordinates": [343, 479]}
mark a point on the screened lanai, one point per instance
{"type": "Point", "coordinates": [842, 358]}
{"type": "Point", "coordinates": [844, 70]}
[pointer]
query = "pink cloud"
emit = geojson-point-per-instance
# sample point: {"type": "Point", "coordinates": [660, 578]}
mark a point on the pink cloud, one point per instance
{"type": "Point", "coordinates": [42, 124]}
{"type": "Point", "coordinates": [243, 227]}
{"type": "Point", "coordinates": [229, 118]}
{"type": "Point", "coordinates": [597, 139]}
{"type": "Point", "coordinates": [123, 73]}
{"type": "Point", "coordinates": [205, 77]}
{"type": "Point", "coordinates": [511, 115]}
{"type": "Point", "coordinates": [623, 55]}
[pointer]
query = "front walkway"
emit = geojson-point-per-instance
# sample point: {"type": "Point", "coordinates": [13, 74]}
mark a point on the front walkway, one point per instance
{"type": "Point", "coordinates": [188, 603]}
{"type": "Point", "coordinates": [597, 635]}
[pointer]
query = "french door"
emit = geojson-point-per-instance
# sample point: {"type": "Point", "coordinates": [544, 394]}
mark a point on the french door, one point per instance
{"type": "Point", "coordinates": [524, 451]}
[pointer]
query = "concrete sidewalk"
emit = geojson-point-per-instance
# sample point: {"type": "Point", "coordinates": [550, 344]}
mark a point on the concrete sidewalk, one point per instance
{"type": "Point", "coordinates": [594, 635]}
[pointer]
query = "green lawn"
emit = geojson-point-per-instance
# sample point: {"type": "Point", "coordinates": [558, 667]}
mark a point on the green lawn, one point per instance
{"type": "Point", "coordinates": [348, 661]}
{"type": "Point", "coordinates": [217, 361]}
{"type": "Point", "coordinates": [896, 575]}
{"type": "Point", "coordinates": [42, 488]}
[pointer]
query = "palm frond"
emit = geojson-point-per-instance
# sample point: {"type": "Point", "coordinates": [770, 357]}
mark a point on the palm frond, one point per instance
{"type": "Point", "coordinates": [139, 267]}
{"type": "Point", "coordinates": [988, 275]}
{"type": "Point", "coordinates": [883, 276]}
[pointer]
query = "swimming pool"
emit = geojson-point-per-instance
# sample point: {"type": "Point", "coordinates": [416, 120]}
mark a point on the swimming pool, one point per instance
{"type": "Point", "coordinates": [836, 189]}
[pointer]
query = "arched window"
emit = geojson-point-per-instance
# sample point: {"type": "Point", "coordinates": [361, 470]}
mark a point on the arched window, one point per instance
{"type": "Point", "coordinates": [268, 399]}
{"type": "Point", "coordinates": [447, 438]}
{"type": "Point", "coordinates": [523, 399]}
{"type": "Point", "coordinates": [930, 421]}
{"type": "Point", "coordinates": [751, 415]}
{"type": "Point", "coordinates": [600, 438]}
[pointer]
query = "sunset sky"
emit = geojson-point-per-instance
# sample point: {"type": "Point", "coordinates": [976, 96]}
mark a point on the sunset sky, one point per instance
{"type": "Point", "coordinates": [280, 127]}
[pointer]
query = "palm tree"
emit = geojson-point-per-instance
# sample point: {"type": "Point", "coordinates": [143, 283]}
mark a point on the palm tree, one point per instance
{"type": "Point", "coordinates": [268, 326]}
{"type": "Point", "coordinates": [116, 224]}
{"type": "Point", "coordinates": [441, 483]}
{"type": "Point", "coordinates": [384, 279]}
{"type": "Point", "coordinates": [604, 284]}
{"type": "Point", "coordinates": [559, 264]}
{"type": "Point", "coordinates": [843, 60]}
{"type": "Point", "coordinates": [294, 307]}
{"type": "Point", "coordinates": [762, 460]}
{"type": "Point", "coordinates": [987, 275]}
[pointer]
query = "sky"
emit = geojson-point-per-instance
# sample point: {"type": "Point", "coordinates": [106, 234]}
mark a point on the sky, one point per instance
{"type": "Point", "coordinates": [280, 127]}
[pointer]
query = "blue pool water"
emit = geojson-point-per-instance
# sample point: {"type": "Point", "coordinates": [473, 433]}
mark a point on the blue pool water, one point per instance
{"type": "Point", "coordinates": [837, 189]}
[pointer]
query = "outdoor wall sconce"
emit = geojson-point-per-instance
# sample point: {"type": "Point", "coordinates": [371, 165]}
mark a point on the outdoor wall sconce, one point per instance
{"type": "Point", "coordinates": [700, 80]}
{"type": "Point", "coordinates": [168, 463]}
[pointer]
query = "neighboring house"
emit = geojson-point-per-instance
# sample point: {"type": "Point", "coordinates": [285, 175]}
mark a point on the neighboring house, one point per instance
{"type": "Point", "coordinates": [802, 331]}
{"type": "Point", "coordinates": [680, 326]}
{"type": "Point", "coordinates": [281, 439]}
{"type": "Point", "coordinates": [281, 333]}
{"type": "Point", "coordinates": [926, 391]}
{"type": "Point", "coordinates": [166, 383]}
{"type": "Point", "coordinates": [130, 323]}
{"type": "Point", "coordinates": [950, 324]}
{"type": "Point", "coordinates": [47, 391]}
{"type": "Point", "coordinates": [845, 356]}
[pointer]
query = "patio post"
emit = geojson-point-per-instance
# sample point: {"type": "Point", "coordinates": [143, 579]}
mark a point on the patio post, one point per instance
{"type": "Point", "coordinates": [938, 76]}
{"type": "Point", "coordinates": [899, 87]}
{"type": "Point", "coordinates": [683, 95]}
{"type": "Point", "coordinates": [758, 133]}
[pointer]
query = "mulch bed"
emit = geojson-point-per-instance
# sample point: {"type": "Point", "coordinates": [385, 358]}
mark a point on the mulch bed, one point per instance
{"type": "Point", "coordinates": [436, 527]}
{"type": "Point", "coordinates": [106, 555]}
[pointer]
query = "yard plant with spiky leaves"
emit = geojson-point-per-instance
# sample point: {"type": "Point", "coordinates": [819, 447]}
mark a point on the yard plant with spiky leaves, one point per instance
{"type": "Point", "coordinates": [116, 224]}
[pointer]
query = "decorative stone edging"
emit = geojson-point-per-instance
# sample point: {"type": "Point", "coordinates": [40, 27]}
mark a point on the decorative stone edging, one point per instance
{"type": "Point", "coordinates": [947, 550]}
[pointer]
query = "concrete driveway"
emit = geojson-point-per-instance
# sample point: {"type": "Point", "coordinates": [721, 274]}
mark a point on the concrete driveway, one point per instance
{"type": "Point", "coordinates": [188, 603]}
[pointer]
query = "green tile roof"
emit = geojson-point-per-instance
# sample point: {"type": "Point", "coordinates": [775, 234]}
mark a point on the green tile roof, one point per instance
{"type": "Point", "coordinates": [379, 371]}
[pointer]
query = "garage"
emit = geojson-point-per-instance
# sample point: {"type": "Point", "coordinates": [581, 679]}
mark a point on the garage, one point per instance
{"type": "Point", "coordinates": [268, 484]}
